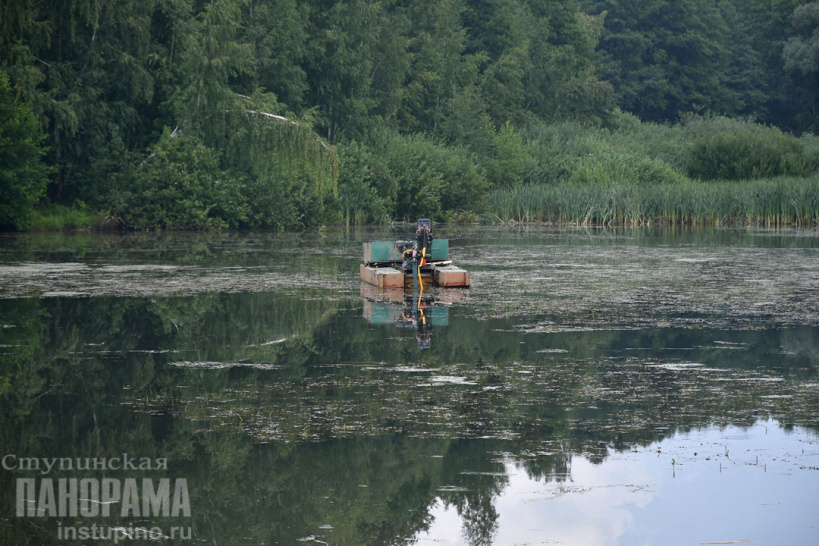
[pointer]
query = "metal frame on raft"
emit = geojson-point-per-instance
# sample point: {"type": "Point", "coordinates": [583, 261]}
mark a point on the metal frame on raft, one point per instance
{"type": "Point", "coordinates": [401, 264]}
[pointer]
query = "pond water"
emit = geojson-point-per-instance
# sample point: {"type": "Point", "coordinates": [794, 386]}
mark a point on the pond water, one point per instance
{"type": "Point", "coordinates": [591, 387]}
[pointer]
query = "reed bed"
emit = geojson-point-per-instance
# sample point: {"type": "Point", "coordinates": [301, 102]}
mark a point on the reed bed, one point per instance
{"type": "Point", "coordinates": [767, 202]}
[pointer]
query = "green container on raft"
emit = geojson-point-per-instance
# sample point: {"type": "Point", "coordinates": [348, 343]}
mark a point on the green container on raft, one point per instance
{"type": "Point", "coordinates": [379, 252]}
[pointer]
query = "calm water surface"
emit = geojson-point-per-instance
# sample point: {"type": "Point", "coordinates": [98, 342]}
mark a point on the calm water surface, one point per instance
{"type": "Point", "coordinates": [591, 387]}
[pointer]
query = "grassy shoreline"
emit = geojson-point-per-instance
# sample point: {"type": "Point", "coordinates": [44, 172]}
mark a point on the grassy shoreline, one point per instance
{"type": "Point", "coordinates": [773, 202]}
{"type": "Point", "coordinates": [62, 218]}
{"type": "Point", "coordinates": [782, 201]}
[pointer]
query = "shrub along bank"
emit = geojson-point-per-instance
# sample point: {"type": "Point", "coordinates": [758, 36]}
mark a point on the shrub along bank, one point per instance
{"type": "Point", "coordinates": [703, 170]}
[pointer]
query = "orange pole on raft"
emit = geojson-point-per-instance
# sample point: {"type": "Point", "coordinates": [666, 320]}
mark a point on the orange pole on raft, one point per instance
{"type": "Point", "coordinates": [423, 256]}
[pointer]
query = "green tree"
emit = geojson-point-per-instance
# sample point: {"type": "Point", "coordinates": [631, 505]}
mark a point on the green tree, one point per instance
{"type": "Point", "coordinates": [503, 81]}
{"type": "Point", "coordinates": [442, 67]}
{"type": "Point", "coordinates": [340, 65]}
{"type": "Point", "coordinates": [663, 56]}
{"type": "Point", "coordinates": [286, 173]}
{"type": "Point", "coordinates": [211, 56]}
{"type": "Point", "coordinates": [23, 175]}
{"type": "Point", "coordinates": [391, 66]}
{"type": "Point", "coordinates": [801, 59]}
{"type": "Point", "coordinates": [277, 35]}
{"type": "Point", "coordinates": [491, 26]}
{"type": "Point", "coordinates": [745, 80]}
{"type": "Point", "coordinates": [290, 173]}
{"type": "Point", "coordinates": [562, 83]}
{"type": "Point", "coordinates": [767, 24]}
{"type": "Point", "coordinates": [85, 70]}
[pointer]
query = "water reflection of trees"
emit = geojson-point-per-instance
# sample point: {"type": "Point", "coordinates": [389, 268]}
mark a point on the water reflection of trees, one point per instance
{"type": "Point", "coordinates": [309, 421]}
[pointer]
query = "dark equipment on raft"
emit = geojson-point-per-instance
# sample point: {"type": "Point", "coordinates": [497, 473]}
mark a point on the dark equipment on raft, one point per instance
{"type": "Point", "coordinates": [419, 262]}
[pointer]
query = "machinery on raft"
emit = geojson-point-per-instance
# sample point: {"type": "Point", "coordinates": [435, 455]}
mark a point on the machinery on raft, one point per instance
{"type": "Point", "coordinates": [419, 262]}
{"type": "Point", "coordinates": [391, 267]}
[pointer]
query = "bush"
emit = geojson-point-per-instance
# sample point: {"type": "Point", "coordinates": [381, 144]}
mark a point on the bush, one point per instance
{"type": "Point", "coordinates": [180, 186]}
{"type": "Point", "coordinates": [499, 154]}
{"type": "Point", "coordinates": [607, 168]}
{"type": "Point", "coordinates": [361, 198]}
{"type": "Point", "coordinates": [505, 164]}
{"type": "Point", "coordinates": [723, 149]}
{"type": "Point", "coordinates": [635, 153]}
{"type": "Point", "coordinates": [554, 150]}
{"type": "Point", "coordinates": [430, 180]}
{"type": "Point", "coordinates": [659, 141]}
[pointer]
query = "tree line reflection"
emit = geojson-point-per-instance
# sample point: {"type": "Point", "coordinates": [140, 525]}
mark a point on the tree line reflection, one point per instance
{"type": "Point", "coordinates": [287, 414]}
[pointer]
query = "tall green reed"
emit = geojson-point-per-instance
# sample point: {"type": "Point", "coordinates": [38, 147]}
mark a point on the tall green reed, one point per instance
{"type": "Point", "coordinates": [769, 202]}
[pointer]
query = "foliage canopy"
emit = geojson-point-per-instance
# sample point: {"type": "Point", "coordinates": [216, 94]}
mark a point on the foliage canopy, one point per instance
{"type": "Point", "coordinates": [279, 97]}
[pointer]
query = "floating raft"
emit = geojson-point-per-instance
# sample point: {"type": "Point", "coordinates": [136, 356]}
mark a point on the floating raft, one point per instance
{"type": "Point", "coordinates": [382, 267]}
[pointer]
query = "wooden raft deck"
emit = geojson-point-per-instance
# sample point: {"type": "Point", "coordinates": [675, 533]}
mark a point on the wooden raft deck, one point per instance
{"type": "Point", "coordinates": [382, 268]}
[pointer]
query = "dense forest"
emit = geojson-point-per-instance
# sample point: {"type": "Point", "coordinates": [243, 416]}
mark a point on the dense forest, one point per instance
{"type": "Point", "coordinates": [286, 114]}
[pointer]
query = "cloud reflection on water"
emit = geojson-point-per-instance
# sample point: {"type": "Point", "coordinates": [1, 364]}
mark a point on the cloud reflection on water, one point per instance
{"type": "Point", "coordinates": [707, 486]}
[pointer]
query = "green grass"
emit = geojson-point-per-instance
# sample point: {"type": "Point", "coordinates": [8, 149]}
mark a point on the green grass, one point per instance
{"type": "Point", "coordinates": [768, 202]}
{"type": "Point", "coordinates": [59, 218]}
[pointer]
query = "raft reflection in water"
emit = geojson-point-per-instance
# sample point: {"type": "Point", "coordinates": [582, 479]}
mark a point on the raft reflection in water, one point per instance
{"type": "Point", "coordinates": [423, 311]}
